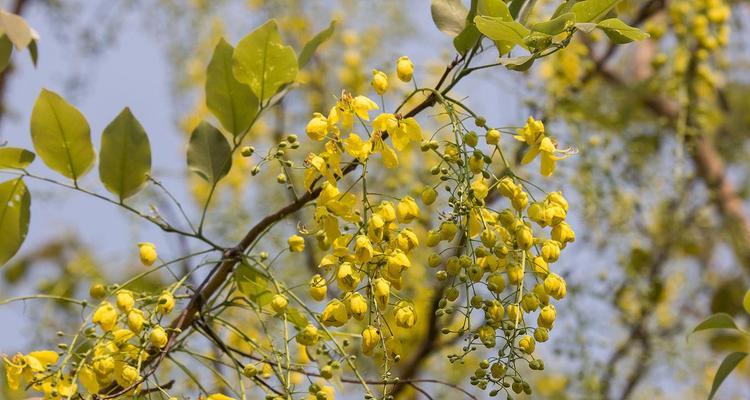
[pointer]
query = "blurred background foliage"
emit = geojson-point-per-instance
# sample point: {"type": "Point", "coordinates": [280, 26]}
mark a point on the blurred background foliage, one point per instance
{"type": "Point", "coordinates": [658, 187]}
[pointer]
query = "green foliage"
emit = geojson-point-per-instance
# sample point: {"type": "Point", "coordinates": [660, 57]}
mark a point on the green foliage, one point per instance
{"type": "Point", "coordinates": [209, 154]}
{"type": "Point", "coordinates": [229, 100]}
{"type": "Point", "coordinates": [125, 156]}
{"type": "Point", "coordinates": [15, 203]}
{"type": "Point", "coordinates": [620, 32]}
{"type": "Point", "coordinates": [727, 366]}
{"type": "Point", "coordinates": [716, 321]}
{"type": "Point", "coordinates": [61, 136]}
{"type": "Point", "coordinates": [449, 16]}
{"type": "Point", "coordinates": [6, 49]}
{"type": "Point", "coordinates": [264, 62]}
{"type": "Point", "coordinates": [556, 25]}
{"type": "Point", "coordinates": [311, 46]}
{"type": "Point", "coordinates": [15, 158]}
{"type": "Point", "coordinates": [253, 284]}
{"type": "Point", "coordinates": [500, 30]}
{"type": "Point", "coordinates": [593, 10]}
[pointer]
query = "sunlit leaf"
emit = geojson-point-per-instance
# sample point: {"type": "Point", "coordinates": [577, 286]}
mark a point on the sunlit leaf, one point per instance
{"type": "Point", "coordinates": [125, 156]}
{"type": "Point", "coordinates": [449, 16]}
{"type": "Point", "coordinates": [15, 158]}
{"type": "Point", "coordinates": [727, 366]}
{"type": "Point", "coordinates": [15, 203]}
{"type": "Point", "coordinates": [497, 29]}
{"type": "Point", "coordinates": [264, 62]}
{"type": "Point", "coordinates": [556, 25]}
{"type": "Point", "coordinates": [209, 154]}
{"type": "Point", "coordinates": [716, 321]}
{"type": "Point", "coordinates": [61, 136]}
{"type": "Point", "coordinates": [592, 10]}
{"type": "Point", "coordinates": [232, 102]}
{"type": "Point", "coordinates": [253, 284]}
{"type": "Point", "coordinates": [620, 32]}
{"type": "Point", "coordinates": [311, 46]}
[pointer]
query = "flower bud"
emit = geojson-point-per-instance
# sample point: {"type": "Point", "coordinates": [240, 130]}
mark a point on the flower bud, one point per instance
{"type": "Point", "coordinates": [125, 300]}
{"type": "Point", "coordinates": [147, 252]}
{"type": "Point", "coordinates": [356, 305]}
{"type": "Point", "coordinates": [554, 285]}
{"type": "Point", "coordinates": [279, 303]}
{"type": "Point", "coordinates": [541, 334]}
{"type": "Point", "coordinates": [379, 81]}
{"type": "Point", "coordinates": [405, 315]}
{"type": "Point", "coordinates": [370, 339]}
{"type": "Point", "coordinates": [308, 336]}
{"type": "Point", "coordinates": [165, 303]}
{"type": "Point", "coordinates": [547, 316]}
{"type": "Point", "coordinates": [296, 243]}
{"type": "Point", "coordinates": [318, 287]}
{"type": "Point", "coordinates": [404, 68]}
{"type": "Point", "coordinates": [429, 195]}
{"type": "Point", "coordinates": [493, 137]}
{"type": "Point", "coordinates": [527, 344]}
{"type": "Point", "coordinates": [158, 337]}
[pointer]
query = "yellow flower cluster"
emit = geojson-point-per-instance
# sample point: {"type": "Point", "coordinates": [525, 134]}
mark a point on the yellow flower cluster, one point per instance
{"type": "Point", "coordinates": [540, 144]}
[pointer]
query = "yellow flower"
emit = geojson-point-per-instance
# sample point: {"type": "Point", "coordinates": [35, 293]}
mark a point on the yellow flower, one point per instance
{"type": "Point", "coordinates": [347, 277]}
{"type": "Point", "coordinates": [357, 148]}
{"type": "Point", "coordinates": [88, 379]}
{"type": "Point", "coordinates": [379, 81]}
{"type": "Point", "coordinates": [165, 303]}
{"type": "Point", "coordinates": [387, 212]}
{"type": "Point", "coordinates": [407, 210]}
{"type": "Point", "coordinates": [533, 135]}
{"type": "Point", "coordinates": [105, 316]}
{"type": "Point", "coordinates": [318, 287]}
{"type": "Point", "coordinates": [334, 314]}
{"type": "Point", "coordinates": [401, 131]}
{"type": "Point", "coordinates": [494, 313]}
{"type": "Point", "coordinates": [563, 234]}
{"type": "Point", "coordinates": [363, 250]}
{"type": "Point", "coordinates": [547, 316]}
{"type": "Point", "coordinates": [135, 320]}
{"type": "Point", "coordinates": [279, 303]}
{"type": "Point", "coordinates": [487, 336]}
{"type": "Point", "coordinates": [308, 336]}
{"type": "Point", "coordinates": [529, 302]}
{"type": "Point", "coordinates": [404, 68]}
{"type": "Point", "coordinates": [361, 106]}
{"type": "Point", "coordinates": [493, 137]}
{"type": "Point", "coordinates": [219, 396]}
{"type": "Point", "coordinates": [317, 128]}
{"type": "Point", "coordinates": [126, 375]}
{"type": "Point", "coordinates": [370, 339]}
{"type": "Point", "coordinates": [382, 290]}
{"type": "Point", "coordinates": [125, 300]}
{"type": "Point", "coordinates": [356, 305]}
{"type": "Point", "coordinates": [296, 243]}
{"type": "Point", "coordinates": [541, 334]}
{"type": "Point", "coordinates": [555, 286]}
{"type": "Point", "coordinates": [527, 344]}
{"type": "Point", "coordinates": [551, 251]}
{"type": "Point", "coordinates": [405, 315]}
{"type": "Point", "coordinates": [158, 337]}
{"type": "Point", "coordinates": [406, 240]}
{"type": "Point", "coordinates": [147, 253]}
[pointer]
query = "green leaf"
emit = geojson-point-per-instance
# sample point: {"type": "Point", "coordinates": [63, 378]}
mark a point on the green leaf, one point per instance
{"type": "Point", "coordinates": [620, 32]}
{"type": "Point", "coordinates": [16, 28]}
{"type": "Point", "coordinates": [33, 52]}
{"type": "Point", "coordinates": [592, 10]}
{"type": "Point", "coordinates": [125, 156]}
{"type": "Point", "coordinates": [521, 63]}
{"type": "Point", "coordinates": [563, 8]}
{"type": "Point", "coordinates": [6, 49]}
{"type": "Point", "coordinates": [556, 25]}
{"type": "Point", "coordinates": [15, 158]}
{"type": "Point", "coordinates": [296, 317]}
{"type": "Point", "coordinates": [61, 135]}
{"type": "Point", "coordinates": [15, 203]}
{"type": "Point", "coordinates": [468, 37]}
{"type": "Point", "coordinates": [262, 61]}
{"type": "Point", "coordinates": [727, 366]}
{"type": "Point", "coordinates": [716, 321]}
{"type": "Point", "coordinates": [449, 16]}
{"type": "Point", "coordinates": [586, 27]}
{"type": "Point", "coordinates": [252, 284]}
{"type": "Point", "coordinates": [310, 47]}
{"type": "Point", "coordinates": [232, 102]}
{"type": "Point", "coordinates": [494, 8]}
{"type": "Point", "coordinates": [209, 154]}
{"type": "Point", "coordinates": [504, 31]}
